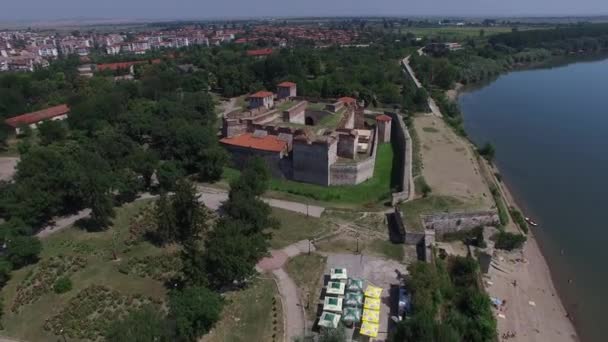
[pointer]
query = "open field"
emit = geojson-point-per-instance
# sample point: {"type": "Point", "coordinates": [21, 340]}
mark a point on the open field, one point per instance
{"type": "Point", "coordinates": [455, 33]}
{"type": "Point", "coordinates": [369, 193]}
{"type": "Point", "coordinates": [29, 299]}
{"type": "Point", "coordinates": [252, 314]}
{"type": "Point", "coordinates": [449, 165]}
{"type": "Point", "coordinates": [295, 227]}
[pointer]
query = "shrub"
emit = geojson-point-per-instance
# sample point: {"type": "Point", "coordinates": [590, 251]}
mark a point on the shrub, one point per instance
{"type": "Point", "coordinates": [62, 285]}
{"type": "Point", "coordinates": [519, 219]}
{"type": "Point", "coordinates": [509, 241]}
{"type": "Point", "coordinates": [422, 186]}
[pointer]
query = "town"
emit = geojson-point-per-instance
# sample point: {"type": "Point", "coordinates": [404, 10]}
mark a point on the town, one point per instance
{"type": "Point", "coordinates": [288, 179]}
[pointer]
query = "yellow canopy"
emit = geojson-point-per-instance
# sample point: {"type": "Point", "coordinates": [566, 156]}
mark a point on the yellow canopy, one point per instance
{"type": "Point", "coordinates": [373, 291]}
{"type": "Point", "coordinates": [371, 303]}
{"type": "Point", "coordinates": [372, 316]}
{"type": "Point", "coordinates": [369, 329]}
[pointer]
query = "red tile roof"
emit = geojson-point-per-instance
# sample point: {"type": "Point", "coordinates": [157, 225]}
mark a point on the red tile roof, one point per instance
{"type": "Point", "coordinates": [286, 84]}
{"type": "Point", "coordinates": [383, 117]}
{"type": "Point", "coordinates": [347, 100]}
{"type": "Point", "coordinates": [262, 94]}
{"type": "Point", "coordinates": [34, 117]}
{"type": "Point", "coordinates": [267, 143]}
{"type": "Point", "coordinates": [123, 65]}
{"type": "Point", "coordinates": [260, 52]}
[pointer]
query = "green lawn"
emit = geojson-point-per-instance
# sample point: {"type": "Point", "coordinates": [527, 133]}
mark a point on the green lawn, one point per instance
{"type": "Point", "coordinates": [369, 193]}
{"type": "Point", "coordinates": [306, 271]}
{"type": "Point", "coordinates": [295, 227]}
{"type": "Point", "coordinates": [412, 210]}
{"type": "Point", "coordinates": [95, 250]}
{"type": "Point", "coordinates": [250, 315]}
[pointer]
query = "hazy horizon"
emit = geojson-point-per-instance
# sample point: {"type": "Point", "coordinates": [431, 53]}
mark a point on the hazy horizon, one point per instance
{"type": "Point", "coordinates": [33, 10]}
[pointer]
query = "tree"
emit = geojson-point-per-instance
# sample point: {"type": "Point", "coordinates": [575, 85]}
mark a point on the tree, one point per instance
{"type": "Point", "coordinates": [509, 241]}
{"type": "Point", "coordinates": [190, 215]}
{"type": "Point", "coordinates": [141, 325]}
{"type": "Point", "coordinates": [144, 162]}
{"type": "Point", "coordinates": [23, 250]}
{"type": "Point", "coordinates": [51, 131]}
{"type": "Point", "coordinates": [230, 255]}
{"type": "Point", "coordinates": [5, 271]}
{"type": "Point", "coordinates": [194, 311]}
{"type": "Point", "coordinates": [194, 265]}
{"type": "Point", "coordinates": [166, 229]}
{"type": "Point", "coordinates": [168, 173]}
{"type": "Point", "coordinates": [487, 151]}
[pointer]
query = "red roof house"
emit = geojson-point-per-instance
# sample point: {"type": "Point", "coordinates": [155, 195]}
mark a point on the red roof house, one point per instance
{"type": "Point", "coordinates": [261, 94]}
{"type": "Point", "coordinates": [347, 100]}
{"type": "Point", "coordinates": [286, 84]}
{"type": "Point", "coordinates": [259, 52]}
{"type": "Point", "coordinates": [268, 143]}
{"type": "Point", "coordinates": [57, 112]}
{"type": "Point", "coordinates": [123, 65]}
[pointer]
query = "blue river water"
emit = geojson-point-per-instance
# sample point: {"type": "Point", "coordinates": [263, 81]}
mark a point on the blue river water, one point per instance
{"type": "Point", "coordinates": [550, 130]}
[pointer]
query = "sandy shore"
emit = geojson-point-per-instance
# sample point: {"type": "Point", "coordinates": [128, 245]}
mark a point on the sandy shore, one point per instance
{"type": "Point", "coordinates": [533, 309]}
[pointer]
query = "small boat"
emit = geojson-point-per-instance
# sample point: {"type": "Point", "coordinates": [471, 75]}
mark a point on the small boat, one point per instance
{"type": "Point", "coordinates": [530, 222]}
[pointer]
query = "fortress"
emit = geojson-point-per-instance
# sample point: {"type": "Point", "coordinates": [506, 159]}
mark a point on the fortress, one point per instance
{"type": "Point", "coordinates": [327, 142]}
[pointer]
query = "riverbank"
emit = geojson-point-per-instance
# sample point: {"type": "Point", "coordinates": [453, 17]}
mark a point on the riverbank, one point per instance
{"type": "Point", "coordinates": [534, 310]}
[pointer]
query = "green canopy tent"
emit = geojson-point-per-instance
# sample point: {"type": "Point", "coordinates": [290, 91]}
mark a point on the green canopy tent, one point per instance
{"type": "Point", "coordinates": [354, 285]}
{"type": "Point", "coordinates": [353, 299]}
{"type": "Point", "coordinates": [351, 315]}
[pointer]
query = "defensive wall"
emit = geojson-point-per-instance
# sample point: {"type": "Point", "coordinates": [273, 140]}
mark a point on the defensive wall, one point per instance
{"type": "Point", "coordinates": [445, 223]}
{"type": "Point", "coordinates": [402, 147]}
{"type": "Point", "coordinates": [349, 172]}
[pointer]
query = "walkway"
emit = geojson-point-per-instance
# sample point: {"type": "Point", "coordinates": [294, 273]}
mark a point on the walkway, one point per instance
{"type": "Point", "coordinates": [293, 312]}
{"type": "Point", "coordinates": [211, 197]}
{"type": "Point", "coordinates": [409, 71]}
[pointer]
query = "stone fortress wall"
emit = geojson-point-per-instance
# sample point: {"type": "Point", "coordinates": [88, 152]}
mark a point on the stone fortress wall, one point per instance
{"type": "Point", "coordinates": [445, 223]}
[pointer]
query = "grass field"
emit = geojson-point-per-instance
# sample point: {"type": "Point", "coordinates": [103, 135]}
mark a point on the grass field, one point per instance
{"type": "Point", "coordinates": [373, 247]}
{"type": "Point", "coordinates": [295, 227]}
{"type": "Point", "coordinates": [369, 193]}
{"type": "Point", "coordinates": [306, 271]}
{"type": "Point", "coordinates": [252, 314]}
{"type": "Point", "coordinates": [455, 33]}
{"type": "Point", "coordinates": [96, 249]}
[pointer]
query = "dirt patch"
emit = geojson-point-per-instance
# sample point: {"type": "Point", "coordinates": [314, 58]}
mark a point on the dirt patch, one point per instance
{"type": "Point", "coordinates": [7, 167]}
{"type": "Point", "coordinates": [449, 165]}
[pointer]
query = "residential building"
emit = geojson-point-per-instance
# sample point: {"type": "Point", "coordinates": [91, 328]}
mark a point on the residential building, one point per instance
{"type": "Point", "coordinates": [261, 99]}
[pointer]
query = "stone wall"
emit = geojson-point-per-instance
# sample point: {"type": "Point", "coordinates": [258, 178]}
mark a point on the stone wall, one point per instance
{"type": "Point", "coordinates": [445, 223]}
{"type": "Point", "coordinates": [296, 114]}
{"type": "Point", "coordinates": [355, 171]}
{"type": "Point", "coordinates": [311, 160]}
{"type": "Point", "coordinates": [402, 147]}
{"type": "Point", "coordinates": [347, 144]}
{"type": "Point", "coordinates": [278, 166]}
{"type": "Point", "coordinates": [316, 115]}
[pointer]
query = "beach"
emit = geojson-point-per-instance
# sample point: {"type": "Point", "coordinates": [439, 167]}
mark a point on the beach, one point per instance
{"type": "Point", "coordinates": [532, 308]}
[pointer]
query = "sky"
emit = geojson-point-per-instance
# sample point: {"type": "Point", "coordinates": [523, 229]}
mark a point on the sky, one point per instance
{"type": "Point", "coordinates": [21, 10]}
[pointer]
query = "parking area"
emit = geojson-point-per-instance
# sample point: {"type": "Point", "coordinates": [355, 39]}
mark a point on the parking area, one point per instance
{"type": "Point", "coordinates": [374, 271]}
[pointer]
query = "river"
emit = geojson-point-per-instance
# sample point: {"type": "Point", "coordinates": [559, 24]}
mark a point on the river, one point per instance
{"type": "Point", "coordinates": [550, 130]}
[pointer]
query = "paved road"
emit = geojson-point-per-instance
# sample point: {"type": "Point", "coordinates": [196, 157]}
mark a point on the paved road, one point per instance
{"type": "Point", "coordinates": [408, 69]}
{"type": "Point", "coordinates": [293, 312]}
{"type": "Point", "coordinates": [211, 197]}
{"type": "Point", "coordinates": [292, 309]}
